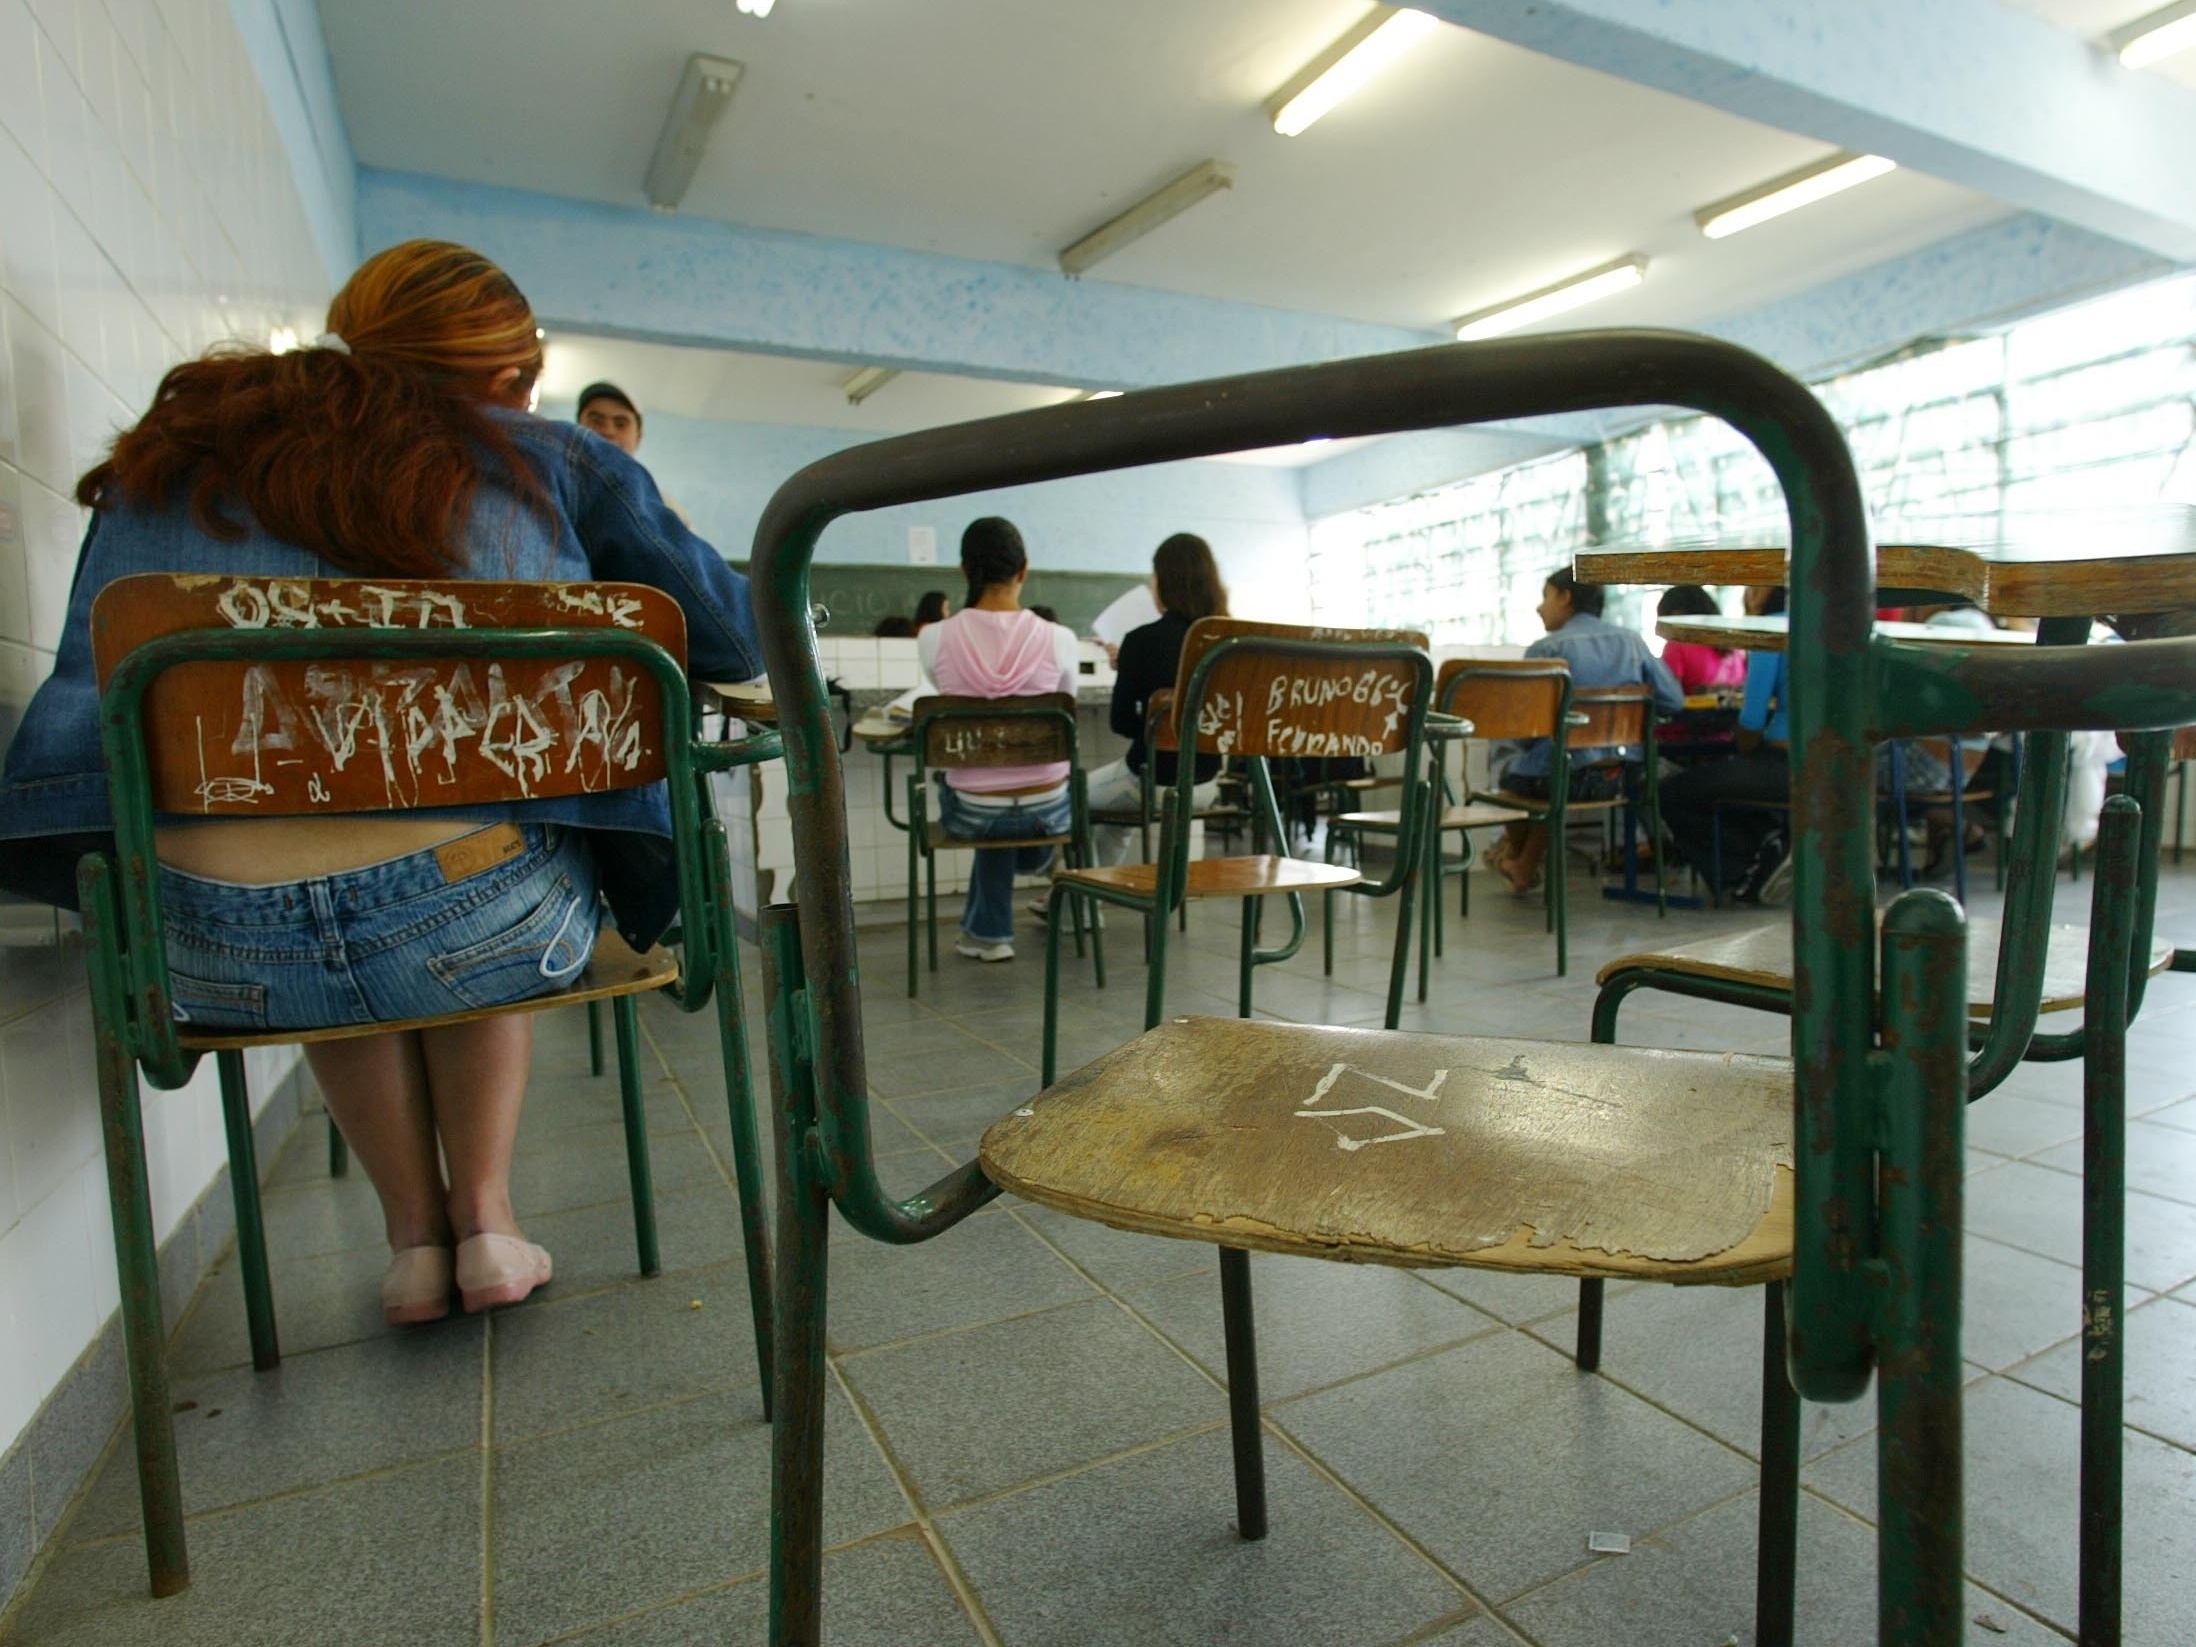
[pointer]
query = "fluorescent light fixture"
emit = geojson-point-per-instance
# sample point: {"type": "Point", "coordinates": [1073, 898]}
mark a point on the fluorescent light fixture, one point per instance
{"type": "Point", "coordinates": [704, 89]}
{"type": "Point", "coordinates": [282, 340]}
{"type": "Point", "coordinates": [1792, 191]}
{"type": "Point", "coordinates": [1204, 179]}
{"type": "Point", "coordinates": [1096, 394]}
{"type": "Point", "coordinates": [757, 8]}
{"type": "Point", "coordinates": [1381, 36]}
{"type": "Point", "coordinates": [2152, 38]}
{"type": "Point", "coordinates": [867, 382]}
{"type": "Point", "coordinates": [1549, 301]}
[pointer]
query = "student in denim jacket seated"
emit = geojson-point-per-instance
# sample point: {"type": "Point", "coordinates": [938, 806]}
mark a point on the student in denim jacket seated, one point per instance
{"type": "Point", "coordinates": [398, 446]}
{"type": "Point", "coordinates": [1599, 654]}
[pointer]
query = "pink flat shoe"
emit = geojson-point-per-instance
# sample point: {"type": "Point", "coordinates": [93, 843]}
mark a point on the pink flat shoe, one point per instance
{"type": "Point", "coordinates": [499, 1269]}
{"type": "Point", "coordinates": [416, 1286]}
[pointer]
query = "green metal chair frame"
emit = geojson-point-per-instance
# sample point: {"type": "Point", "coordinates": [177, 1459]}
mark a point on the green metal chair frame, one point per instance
{"type": "Point", "coordinates": [1878, 1123]}
{"type": "Point", "coordinates": [1167, 895]}
{"type": "Point", "coordinates": [1443, 728]}
{"type": "Point", "coordinates": [932, 716]}
{"type": "Point", "coordinates": [134, 1026]}
{"type": "Point", "coordinates": [2122, 919]}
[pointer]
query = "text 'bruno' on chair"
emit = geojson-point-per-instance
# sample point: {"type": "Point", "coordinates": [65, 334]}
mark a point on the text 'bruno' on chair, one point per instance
{"type": "Point", "coordinates": [1839, 1167]}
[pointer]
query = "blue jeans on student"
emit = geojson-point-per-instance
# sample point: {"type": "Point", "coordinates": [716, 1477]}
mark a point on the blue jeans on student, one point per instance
{"type": "Point", "coordinates": [988, 916]}
{"type": "Point", "coordinates": [390, 941]}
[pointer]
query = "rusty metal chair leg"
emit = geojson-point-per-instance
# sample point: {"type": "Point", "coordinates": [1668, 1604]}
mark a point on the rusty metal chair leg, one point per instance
{"type": "Point", "coordinates": [799, 1377]}
{"type": "Point", "coordinates": [1920, 1520]}
{"type": "Point", "coordinates": [2104, 1223]}
{"type": "Point", "coordinates": [1241, 1326]}
{"type": "Point", "coordinates": [137, 1256]}
{"type": "Point", "coordinates": [625, 1016]}
{"type": "Point", "coordinates": [251, 1231]}
{"type": "Point", "coordinates": [1776, 1561]}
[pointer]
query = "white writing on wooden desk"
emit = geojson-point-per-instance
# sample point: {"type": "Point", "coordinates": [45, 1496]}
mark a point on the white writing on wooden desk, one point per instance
{"type": "Point", "coordinates": [414, 721]}
{"type": "Point", "coordinates": [1349, 1141]}
{"type": "Point", "coordinates": [288, 603]}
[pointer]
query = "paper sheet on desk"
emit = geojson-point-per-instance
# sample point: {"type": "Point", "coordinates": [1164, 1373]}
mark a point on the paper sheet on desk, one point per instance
{"type": "Point", "coordinates": [1132, 611]}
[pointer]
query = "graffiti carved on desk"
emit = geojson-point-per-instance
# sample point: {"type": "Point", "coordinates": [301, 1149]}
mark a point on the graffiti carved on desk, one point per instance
{"type": "Point", "coordinates": [340, 733]}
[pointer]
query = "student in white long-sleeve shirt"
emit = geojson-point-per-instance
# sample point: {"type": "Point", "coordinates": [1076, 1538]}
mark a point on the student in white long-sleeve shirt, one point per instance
{"type": "Point", "coordinates": [993, 648]}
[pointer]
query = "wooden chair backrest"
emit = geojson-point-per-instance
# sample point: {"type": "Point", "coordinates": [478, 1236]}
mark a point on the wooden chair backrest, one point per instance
{"type": "Point", "coordinates": [267, 737]}
{"type": "Point", "coordinates": [1614, 715]}
{"type": "Point", "coordinates": [1504, 697]}
{"type": "Point", "coordinates": [1272, 703]}
{"type": "Point", "coordinates": [2184, 744]}
{"type": "Point", "coordinates": [965, 732]}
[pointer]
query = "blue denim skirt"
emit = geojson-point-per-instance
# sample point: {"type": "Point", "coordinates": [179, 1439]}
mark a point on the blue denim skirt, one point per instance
{"type": "Point", "coordinates": [393, 940]}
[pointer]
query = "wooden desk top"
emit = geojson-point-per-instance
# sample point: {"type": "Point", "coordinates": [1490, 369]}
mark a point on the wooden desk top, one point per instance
{"type": "Point", "coordinates": [1762, 955]}
{"type": "Point", "coordinates": [749, 700]}
{"type": "Point", "coordinates": [1768, 634]}
{"type": "Point", "coordinates": [877, 727]}
{"type": "Point", "coordinates": [2040, 566]}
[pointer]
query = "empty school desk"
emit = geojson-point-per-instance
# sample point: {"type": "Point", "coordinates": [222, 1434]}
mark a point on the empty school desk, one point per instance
{"type": "Point", "coordinates": [2130, 567]}
{"type": "Point", "coordinates": [2044, 565]}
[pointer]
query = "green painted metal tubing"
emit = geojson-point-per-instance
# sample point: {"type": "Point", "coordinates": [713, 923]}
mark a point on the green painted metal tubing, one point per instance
{"type": "Point", "coordinates": [594, 1038]}
{"type": "Point", "coordinates": [251, 1230]}
{"type": "Point", "coordinates": [1776, 1536]}
{"type": "Point", "coordinates": [739, 1095]}
{"type": "Point", "coordinates": [1239, 1328]}
{"type": "Point", "coordinates": [2024, 932]}
{"type": "Point", "coordinates": [1932, 690]}
{"type": "Point", "coordinates": [2106, 1010]}
{"type": "Point", "coordinates": [625, 1019]}
{"type": "Point", "coordinates": [1832, 584]}
{"type": "Point", "coordinates": [1919, 1461]}
{"type": "Point", "coordinates": [137, 1256]}
{"type": "Point", "coordinates": [339, 1151]}
{"type": "Point", "coordinates": [801, 1293]}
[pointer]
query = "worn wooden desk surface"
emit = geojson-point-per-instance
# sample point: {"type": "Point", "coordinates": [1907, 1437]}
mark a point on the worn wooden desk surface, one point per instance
{"type": "Point", "coordinates": [1768, 634]}
{"type": "Point", "coordinates": [749, 700]}
{"type": "Point", "coordinates": [1762, 956]}
{"type": "Point", "coordinates": [2075, 565]}
{"type": "Point", "coordinates": [878, 727]}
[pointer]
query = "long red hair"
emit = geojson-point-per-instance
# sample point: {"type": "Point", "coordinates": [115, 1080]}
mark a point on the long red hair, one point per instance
{"type": "Point", "coordinates": [368, 458]}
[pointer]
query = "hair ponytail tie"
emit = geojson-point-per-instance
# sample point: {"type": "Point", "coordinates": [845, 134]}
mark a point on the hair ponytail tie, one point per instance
{"type": "Point", "coordinates": [329, 340]}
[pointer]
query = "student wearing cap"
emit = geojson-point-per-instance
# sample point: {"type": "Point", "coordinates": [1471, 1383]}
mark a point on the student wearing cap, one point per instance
{"type": "Point", "coordinates": [609, 411]}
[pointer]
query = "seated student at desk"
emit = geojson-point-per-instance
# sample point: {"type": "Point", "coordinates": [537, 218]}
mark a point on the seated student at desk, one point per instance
{"type": "Point", "coordinates": [992, 648]}
{"type": "Point", "coordinates": [1698, 668]}
{"type": "Point", "coordinates": [1599, 654]}
{"type": "Point", "coordinates": [1755, 839]}
{"type": "Point", "coordinates": [398, 445]}
{"type": "Point", "coordinates": [1186, 583]}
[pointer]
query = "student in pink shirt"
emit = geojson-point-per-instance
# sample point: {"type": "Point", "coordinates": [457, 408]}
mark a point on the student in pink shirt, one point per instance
{"type": "Point", "coordinates": [1698, 668]}
{"type": "Point", "coordinates": [992, 648]}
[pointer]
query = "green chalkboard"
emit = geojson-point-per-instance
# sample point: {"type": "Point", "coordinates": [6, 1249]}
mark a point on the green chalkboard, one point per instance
{"type": "Point", "coordinates": [858, 596]}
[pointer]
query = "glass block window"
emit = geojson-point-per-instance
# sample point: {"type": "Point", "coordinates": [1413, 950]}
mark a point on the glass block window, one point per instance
{"type": "Point", "coordinates": [2091, 407]}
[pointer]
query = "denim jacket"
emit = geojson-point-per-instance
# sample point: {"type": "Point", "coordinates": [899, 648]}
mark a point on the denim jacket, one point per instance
{"type": "Point", "coordinates": [610, 524]}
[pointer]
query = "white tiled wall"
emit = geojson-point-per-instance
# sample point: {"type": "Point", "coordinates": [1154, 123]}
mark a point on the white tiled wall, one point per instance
{"type": "Point", "coordinates": [147, 209]}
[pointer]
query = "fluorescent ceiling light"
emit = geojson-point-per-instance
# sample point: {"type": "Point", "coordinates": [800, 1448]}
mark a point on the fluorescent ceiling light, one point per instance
{"type": "Point", "coordinates": [1199, 182]}
{"type": "Point", "coordinates": [1792, 191]}
{"type": "Point", "coordinates": [704, 89]}
{"type": "Point", "coordinates": [282, 340]}
{"type": "Point", "coordinates": [2161, 34]}
{"type": "Point", "coordinates": [1549, 301]}
{"type": "Point", "coordinates": [1381, 36]}
{"type": "Point", "coordinates": [757, 8]}
{"type": "Point", "coordinates": [867, 382]}
{"type": "Point", "coordinates": [1097, 394]}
